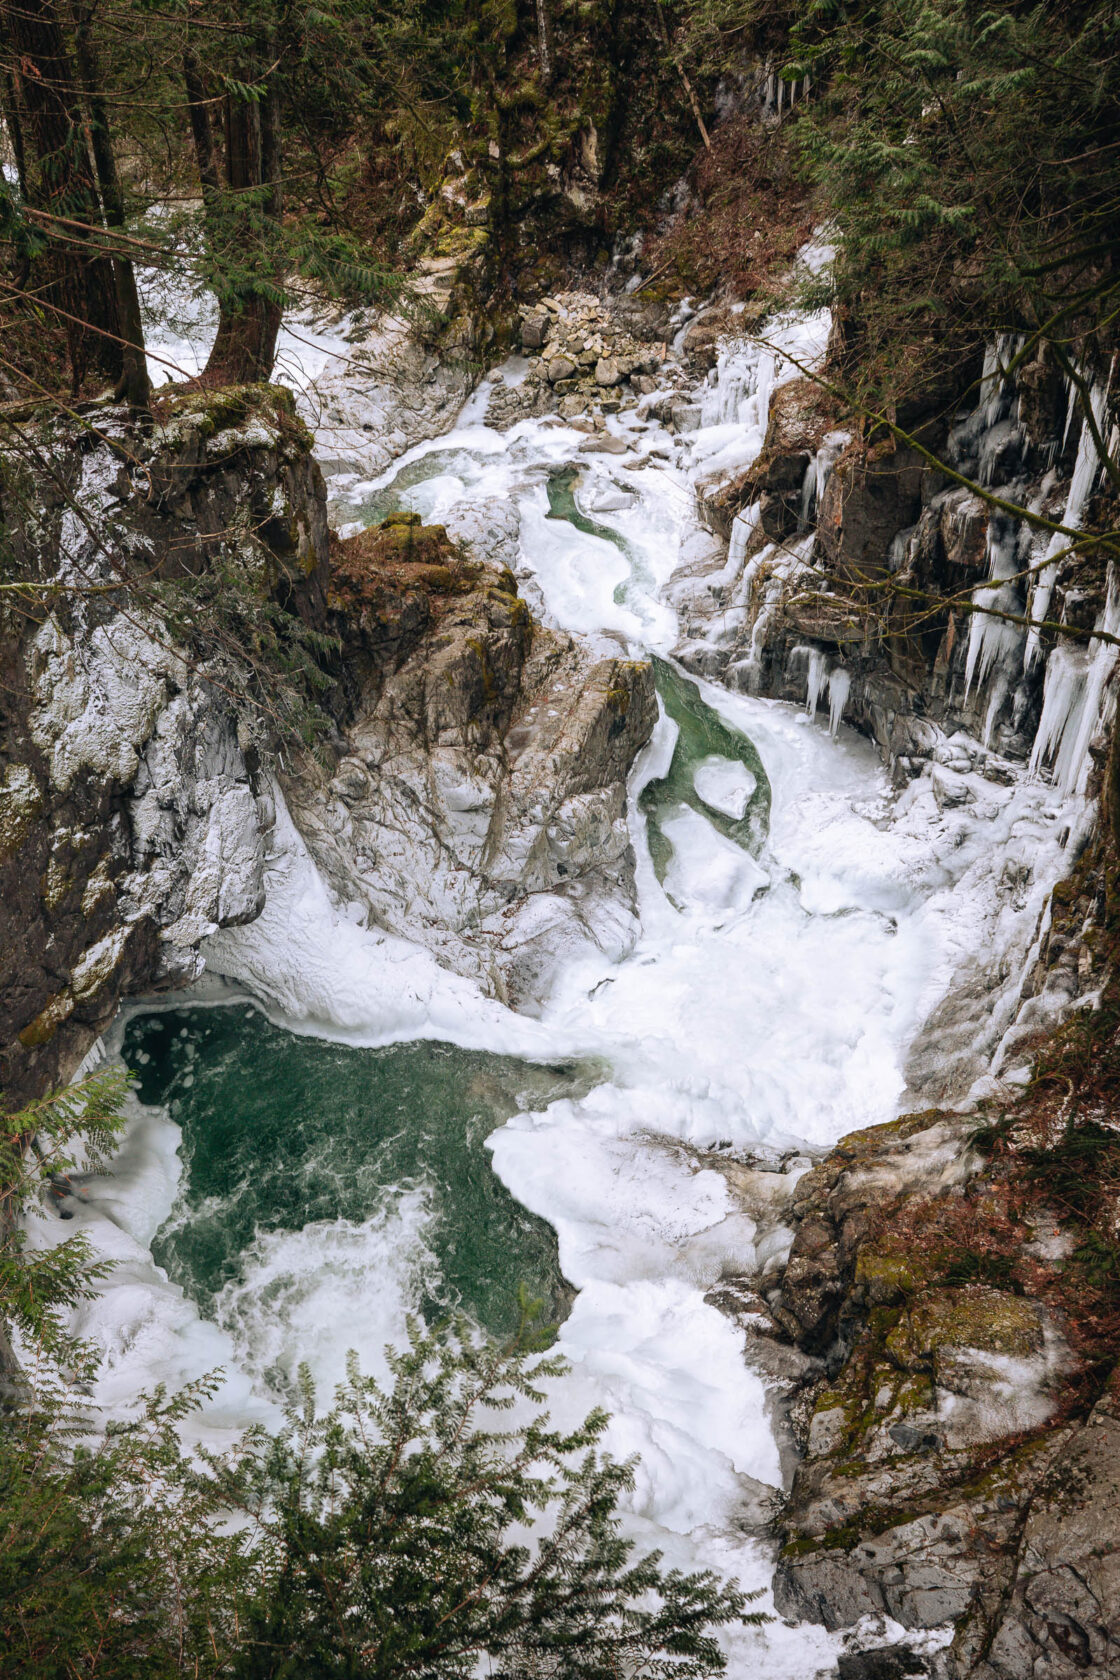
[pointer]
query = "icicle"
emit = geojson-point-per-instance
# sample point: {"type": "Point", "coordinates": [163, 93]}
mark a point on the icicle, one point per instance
{"type": "Point", "coordinates": [818, 471]}
{"type": "Point", "coordinates": [808, 493]}
{"type": "Point", "coordinates": [745, 374]}
{"type": "Point", "coordinates": [1081, 485]}
{"type": "Point", "coordinates": [816, 681]}
{"type": "Point", "coordinates": [1074, 700]}
{"type": "Point", "coordinates": [989, 381]}
{"type": "Point", "coordinates": [993, 641]}
{"type": "Point", "coordinates": [1070, 404]}
{"type": "Point", "coordinates": [832, 445]}
{"type": "Point", "coordinates": [839, 687]}
{"type": "Point", "coordinates": [742, 529]}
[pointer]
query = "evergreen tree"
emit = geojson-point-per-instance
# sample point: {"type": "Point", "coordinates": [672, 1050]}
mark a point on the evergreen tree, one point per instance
{"type": "Point", "coordinates": [413, 1529]}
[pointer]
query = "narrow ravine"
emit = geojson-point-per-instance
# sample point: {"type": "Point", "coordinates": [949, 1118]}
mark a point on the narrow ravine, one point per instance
{"type": "Point", "coordinates": [302, 1174]}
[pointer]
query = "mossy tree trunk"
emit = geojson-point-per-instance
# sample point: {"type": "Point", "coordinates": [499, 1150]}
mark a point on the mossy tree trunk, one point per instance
{"type": "Point", "coordinates": [134, 383]}
{"type": "Point", "coordinates": [245, 218]}
{"type": "Point", "coordinates": [81, 285]}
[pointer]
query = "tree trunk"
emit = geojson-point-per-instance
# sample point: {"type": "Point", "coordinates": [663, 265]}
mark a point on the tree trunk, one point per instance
{"type": "Point", "coordinates": [83, 286]}
{"type": "Point", "coordinates": [202, 130]}
{"type": "Point", "coordinates": [134, 385]}
{"type": "Point", "coordinates": [249, 313]}
{"type": "Point", "coordinates": [544, 40]}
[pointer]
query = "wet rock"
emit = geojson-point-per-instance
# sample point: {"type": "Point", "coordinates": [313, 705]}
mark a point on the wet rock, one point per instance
{"type": "Point", "coordinates": [534, 330]}
{"type": "Point", "coordinates": [869, 497]}
{"type": "Point", "coordinates": [935, 1486]}
{"type": "Point", "coordinates": [1062, 1616]}
{"type": "Point", "coordinates": [1042, 400]}
{"type": "Point", "coordinates": [395, 388]}
{"type": "Point", "coordinates": [963, 528]}
{"type": "Point", "coordinates": [132, 819]}
{"type": "Point", "coordinates": [704, 335]}
{"type": "Point", "coordinates": [888, 1662]}
{"type": "Point", "coordinates": [833, 1204]}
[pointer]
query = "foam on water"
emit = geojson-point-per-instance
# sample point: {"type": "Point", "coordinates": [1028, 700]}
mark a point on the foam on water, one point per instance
{"type": "Point", "coordinates": [779, 978]}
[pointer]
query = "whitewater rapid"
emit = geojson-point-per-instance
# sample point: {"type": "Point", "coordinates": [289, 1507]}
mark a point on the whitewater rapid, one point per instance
{"type": "Point", "coordinates": [768, 1006]}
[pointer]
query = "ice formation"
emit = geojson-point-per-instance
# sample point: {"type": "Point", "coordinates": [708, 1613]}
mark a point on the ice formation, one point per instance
{"type": "Point", "coordinates": [1075, 704]}
{"type": "Point", "coordinates": [770, 1002]}
{"type": "Point", "coordinates": [1086, 468]}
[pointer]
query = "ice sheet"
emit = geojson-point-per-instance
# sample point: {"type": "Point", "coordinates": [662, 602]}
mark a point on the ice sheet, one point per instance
{"type": "Point", "coordinates": [768, 1000]}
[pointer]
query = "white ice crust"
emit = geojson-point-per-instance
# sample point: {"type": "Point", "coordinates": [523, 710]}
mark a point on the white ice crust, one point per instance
{"type": "Point", "coordinates": [768, 1001]}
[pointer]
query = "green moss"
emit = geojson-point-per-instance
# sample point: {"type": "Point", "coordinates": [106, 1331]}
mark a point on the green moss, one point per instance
{"type": "Point", "coordinates": [43, 1028]}
{"type": "Point", "coordinates": [209, 413]}
{"type": "Point", "coordinates": [481, 653]}
{"type": "Point", "coordinates": [873, 1520]}
{"type": "Point", "coordinates": [21, 802]}
{"type": "Point", "coordinates": [887, 1276]}
{"type": "Point", "coordinates": [870, 1139]}
{"type": "Point", "coordinates": [971, 1317]}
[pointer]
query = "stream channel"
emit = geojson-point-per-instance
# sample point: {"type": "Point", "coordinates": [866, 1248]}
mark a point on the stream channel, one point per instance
{"type": "Point", "coordinates": [293, 1188]}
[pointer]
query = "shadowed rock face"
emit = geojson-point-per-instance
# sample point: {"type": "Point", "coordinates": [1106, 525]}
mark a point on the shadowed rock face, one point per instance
{"type": "Point", "coordinates": [478, 801]}
{"type": "Point", "coordinates": [132, 816]}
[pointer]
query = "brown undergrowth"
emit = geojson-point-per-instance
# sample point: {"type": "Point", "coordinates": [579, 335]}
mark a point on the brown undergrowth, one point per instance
{"type": "Point", "coordinates": [746, 218]}
{"type": "Point", "coordinates": [1041, 1216]}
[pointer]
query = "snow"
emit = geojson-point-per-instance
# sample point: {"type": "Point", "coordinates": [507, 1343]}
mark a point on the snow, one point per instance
{"type": "Point", "coordinates": [770, 1002]}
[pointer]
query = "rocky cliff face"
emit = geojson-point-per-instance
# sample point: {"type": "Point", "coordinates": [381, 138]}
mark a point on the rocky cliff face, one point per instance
{"type": "Point", "coordinates": [831, 509]}
{"type": "Point", "coordinates": [953, 1275]}
{"type": "Point", "coordinates": [961, 1451]}
{"type": "Point", "coordinates": [477, 799]}
{"type": "Point", "coordinates": [474, 797]}
{"type": "Point", "coordinates": [134, 813]}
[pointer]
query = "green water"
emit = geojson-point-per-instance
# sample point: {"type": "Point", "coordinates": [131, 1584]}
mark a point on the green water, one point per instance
{"type": "Point", "coordinates": [702, 733]}
{"type": "Point", "coordinates": [280, 1131]}
{"type": "Point", "coordinates": [378, 505]}
{"type": "Point", "coordinates": [562, 504]}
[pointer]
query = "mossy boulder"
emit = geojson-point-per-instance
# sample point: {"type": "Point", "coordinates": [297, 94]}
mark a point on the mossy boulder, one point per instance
{"type": "Point", "coordinates": [941, 1322]}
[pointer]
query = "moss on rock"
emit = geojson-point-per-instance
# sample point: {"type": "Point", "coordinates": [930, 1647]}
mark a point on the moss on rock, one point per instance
{"type": "Point", "coordinates": [941, 1320]}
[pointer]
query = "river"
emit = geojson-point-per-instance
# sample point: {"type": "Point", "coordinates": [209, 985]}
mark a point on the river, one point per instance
{"type": "Point", "coordinates": [358, 1135]}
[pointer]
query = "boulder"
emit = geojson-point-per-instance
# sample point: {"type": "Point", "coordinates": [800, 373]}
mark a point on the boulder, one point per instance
{"type": "Point", "coordinates": [490, 822]}
{"type": "Point", "coordinates": [561, 368]}
{"type": "Point", "coordinates": [534, 330]}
